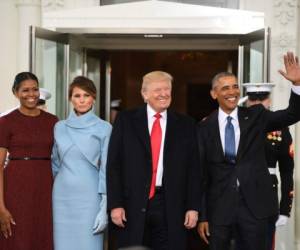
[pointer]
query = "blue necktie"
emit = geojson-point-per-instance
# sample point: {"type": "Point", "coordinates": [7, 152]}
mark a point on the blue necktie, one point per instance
{"type": "Point", "coordinates": [229, 141]}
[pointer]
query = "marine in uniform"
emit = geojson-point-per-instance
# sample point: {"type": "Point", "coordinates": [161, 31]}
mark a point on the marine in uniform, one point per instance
{"type": "Point", "coordinates": [278, 149]}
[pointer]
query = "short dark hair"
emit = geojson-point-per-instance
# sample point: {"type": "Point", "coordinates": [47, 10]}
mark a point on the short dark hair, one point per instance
{"type": "Point", "coordinates": [83, 83]}
{"type": "Point", "coordinates": [220, 75]}
{"type": "Point", "coordinates": [258, 96]}
{"type": "Point", "coordinates": [22, 76]}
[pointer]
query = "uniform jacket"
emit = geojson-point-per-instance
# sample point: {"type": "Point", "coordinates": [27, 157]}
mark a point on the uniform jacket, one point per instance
{"type": "Point", "coordinates": [279, 149]}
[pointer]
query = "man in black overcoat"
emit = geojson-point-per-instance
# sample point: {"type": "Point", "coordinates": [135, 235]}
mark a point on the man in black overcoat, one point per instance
{"type": "Point", "coordinates": [153, 172]}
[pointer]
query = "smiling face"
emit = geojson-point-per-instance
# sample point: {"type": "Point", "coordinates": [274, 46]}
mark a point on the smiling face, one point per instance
{"type": "Point", "coordinates": [226, 91]}
{"type": "Point", "coordinates": [28, 94]}
{"type": "Point", "coordinates": [158, 94]}
{"type": "Point", "coordinates": [81, 100]}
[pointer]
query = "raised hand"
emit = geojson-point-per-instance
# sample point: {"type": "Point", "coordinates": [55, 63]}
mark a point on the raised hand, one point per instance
{"type": "Point", "coordinates": [292, 68]}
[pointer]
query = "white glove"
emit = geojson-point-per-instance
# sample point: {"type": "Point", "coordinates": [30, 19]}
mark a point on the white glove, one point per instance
{"type": "Point", "coordinates": [282, 220]}
{"type": "Point", "coordinates": [101, 218]}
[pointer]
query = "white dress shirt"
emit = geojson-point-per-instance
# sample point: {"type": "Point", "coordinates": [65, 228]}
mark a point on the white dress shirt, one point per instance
{"type": "Point", "coordinates": [222, 117]}
{"type": "Point", "coordinates": [163, 123]}
{"type": "Point", "coordinates": [296, 89]}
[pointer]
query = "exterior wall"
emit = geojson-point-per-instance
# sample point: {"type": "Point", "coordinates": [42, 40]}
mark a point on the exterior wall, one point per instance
{"type": "Point", "coordinates": [8, 45]}
{"type": "Point", "coordinates": [15, 19]}
{"type": "Point", "coordinates": [297, 137]}
{"type": "Point", "coordinates": [281, 15]}
{"type": "Point", "coordinates": [52, 5]}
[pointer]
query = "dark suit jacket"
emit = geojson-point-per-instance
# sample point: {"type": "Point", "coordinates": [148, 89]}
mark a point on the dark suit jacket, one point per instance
{"type": "Point", "coordinates": [129, 171]}
{"type": "Point", "coordinates": [221, 199]}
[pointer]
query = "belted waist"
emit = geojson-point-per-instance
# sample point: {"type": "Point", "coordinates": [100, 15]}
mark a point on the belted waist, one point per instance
{"type": "Point", "coordinates": [272, 170]}
{"type": "Point", "coordinates": [28, 158]}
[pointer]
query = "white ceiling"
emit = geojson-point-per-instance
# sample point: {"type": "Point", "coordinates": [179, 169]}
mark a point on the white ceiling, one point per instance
{"type": "Point", "coordinates": [154, 17]}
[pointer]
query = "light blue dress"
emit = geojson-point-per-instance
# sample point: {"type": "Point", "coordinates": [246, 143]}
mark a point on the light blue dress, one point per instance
{"type": "Point", "coordinates": [79, 166]}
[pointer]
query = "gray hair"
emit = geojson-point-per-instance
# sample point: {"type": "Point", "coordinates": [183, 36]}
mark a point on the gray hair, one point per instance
{"type": "Point", "coordinates": [220, 75]}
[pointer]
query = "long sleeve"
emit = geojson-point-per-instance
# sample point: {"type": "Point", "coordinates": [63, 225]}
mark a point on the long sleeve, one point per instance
{"type": "Point", "coordinates": [286, 169]}
{"type": "Point", "coordinates": [194, 173]}
{"type": "Point", "coordinates": [55, 161]}
{"type": "Point", "coordinates": [279, 119]}
{"type": "Point", "coordinates": [204, 175]}
{"type": "Point", "coordinates": [103, 160]}
{"type": "Point", "coordinates": [114, 165]}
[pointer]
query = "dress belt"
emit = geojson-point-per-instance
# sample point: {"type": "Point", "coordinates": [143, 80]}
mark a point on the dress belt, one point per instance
{"type": "Point", "coordinates": [29, 158]}
{"type": "Point", "coordinates": [272, 170]}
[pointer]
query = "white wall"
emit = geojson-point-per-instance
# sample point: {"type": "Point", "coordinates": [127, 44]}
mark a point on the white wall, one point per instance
{"type": "Point", "coordinates": [8, 45]}
{"type": "Point", "coordinates": [283, 18]}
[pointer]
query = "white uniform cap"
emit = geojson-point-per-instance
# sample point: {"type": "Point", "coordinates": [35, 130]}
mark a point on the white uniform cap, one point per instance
{"type": "Point", "coordinates": [44, 94]}
{"type": "Point", "coordinates": [258, 87]}
{"type": "Point", "coordinates": [115, 103]}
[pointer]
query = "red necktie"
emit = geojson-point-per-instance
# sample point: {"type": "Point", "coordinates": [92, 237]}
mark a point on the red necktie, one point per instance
{"type": "Point", "coordinates": [155, 149]}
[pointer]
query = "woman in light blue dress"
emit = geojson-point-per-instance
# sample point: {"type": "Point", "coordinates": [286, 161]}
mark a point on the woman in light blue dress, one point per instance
{"type": "Point", "coordinates": [79, 168]}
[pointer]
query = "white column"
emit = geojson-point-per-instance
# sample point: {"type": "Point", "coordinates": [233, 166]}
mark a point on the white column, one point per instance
{"type": "Point", "coordinates": [297, 165]}
{"type": "Point", "coordinates": [8, 45]}
{"type": "Point", "coordinates": [283, 18]}
{"type": "Point", "coordinates": [29, 13]}
{"type": "Point", "coordinates": [284, 38]}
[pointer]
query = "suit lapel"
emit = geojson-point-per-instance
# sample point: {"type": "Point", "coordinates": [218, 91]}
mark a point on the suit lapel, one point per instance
{"type": "Point", "coordinates": [243, 121]}
{"type": "Point", "coordinates": [170, 135]}
{"type": "Point", "coordinates": [215, 133]}
{"type": "Point", "coordinates": [141, 126]}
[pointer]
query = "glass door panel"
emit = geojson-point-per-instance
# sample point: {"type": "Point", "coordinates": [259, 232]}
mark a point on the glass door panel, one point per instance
{"type": "Point", "coordinates": [254, 57]}
{"type": "Point", "coordinates": [49, 61]}
{"type": "Point", "coordinates": [93, 73]}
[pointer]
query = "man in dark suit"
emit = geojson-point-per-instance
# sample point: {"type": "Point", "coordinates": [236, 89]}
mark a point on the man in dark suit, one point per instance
{"type": "Point", "coordinates": [239, 195]}
{"type": "Point", "coordinates": [153, 173]}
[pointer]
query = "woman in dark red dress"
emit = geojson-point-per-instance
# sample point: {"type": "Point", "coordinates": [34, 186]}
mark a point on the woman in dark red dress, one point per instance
{"type": "Point", "coordinates": [26, 182]}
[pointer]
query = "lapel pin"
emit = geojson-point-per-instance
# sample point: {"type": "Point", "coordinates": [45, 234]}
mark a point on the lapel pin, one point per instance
{"type": "Point", "coordinates": [246, 118]}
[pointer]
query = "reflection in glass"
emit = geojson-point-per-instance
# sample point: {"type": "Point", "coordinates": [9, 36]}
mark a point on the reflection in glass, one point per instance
{"type": "Point", "coordinates": [253, 61]}
{"type": "Point", "coordinates": [93, 72]}
{"type": "Point", "coordinates": [50, 65]}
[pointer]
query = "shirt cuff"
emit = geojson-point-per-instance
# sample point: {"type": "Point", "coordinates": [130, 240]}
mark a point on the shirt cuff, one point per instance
{"type": "Point", "coordinates": [296, 89]}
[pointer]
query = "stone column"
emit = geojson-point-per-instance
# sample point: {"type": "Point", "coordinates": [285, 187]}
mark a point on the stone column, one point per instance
{"type": "Point", "coordinates": [29, 13]}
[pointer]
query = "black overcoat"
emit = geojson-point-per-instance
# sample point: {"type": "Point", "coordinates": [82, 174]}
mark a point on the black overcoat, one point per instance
{"type": "Point", "coordinates": [129, 171]}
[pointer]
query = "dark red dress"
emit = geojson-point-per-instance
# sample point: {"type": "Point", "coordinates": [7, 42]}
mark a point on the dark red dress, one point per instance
{"type": "Point", "coordinates": [28, 183]}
